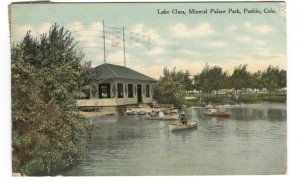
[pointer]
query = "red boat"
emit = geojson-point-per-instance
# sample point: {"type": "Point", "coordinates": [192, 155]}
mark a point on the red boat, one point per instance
{"type": "Point", "coordinates": [214, 112]}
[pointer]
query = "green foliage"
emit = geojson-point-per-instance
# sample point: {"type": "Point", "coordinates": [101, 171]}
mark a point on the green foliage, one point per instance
{"type": "Point", "coordinates": [47, 76]}
{"type": "Point", "coordinates": [282, 78]}
{"type": "Point", "coordinates": [185, 80]}
{"type": "Point", "coordinates": [173, 84]}
{"type": "Point", "coordinates": [273, 78]}
{"type": "Point", "coordinates": [255, 80]}
{"type": "Point", "coordinates": [171, 87]}
{"type": "Point", "coordinates": [240, 77]}
{"type": "Point", "coordinates": [210, 78]}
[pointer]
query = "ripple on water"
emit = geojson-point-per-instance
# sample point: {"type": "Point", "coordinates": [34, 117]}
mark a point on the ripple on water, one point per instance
{"type": "Point", "coordinates": [251, 141]}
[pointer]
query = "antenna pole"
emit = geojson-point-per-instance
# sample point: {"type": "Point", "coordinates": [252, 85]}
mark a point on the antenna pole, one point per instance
{"type": "Point", "coordinates": [104, 43]}
{"type": "Point", "coordinates": [124, 47]}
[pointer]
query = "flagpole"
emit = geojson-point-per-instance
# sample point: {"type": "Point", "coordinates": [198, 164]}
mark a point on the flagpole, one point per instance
{"type": "Point", "coordinates": [124, 47]}
{"type": "Point", "coordinates": [104, 43]}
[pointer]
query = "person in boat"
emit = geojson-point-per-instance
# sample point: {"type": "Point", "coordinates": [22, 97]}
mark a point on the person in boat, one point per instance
{"type": "Point", "coordinates": [182, 118]}
{"type": "Point", "coordinates": [153, 114]}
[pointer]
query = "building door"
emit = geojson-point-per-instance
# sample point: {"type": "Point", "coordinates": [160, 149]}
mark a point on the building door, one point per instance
{"type": "Point", "coordinates": [139, 93]}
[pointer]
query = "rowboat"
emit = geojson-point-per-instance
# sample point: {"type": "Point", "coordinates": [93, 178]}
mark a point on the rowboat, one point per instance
{"type": "Point", "coordinates": [141, 112]}
{"type": "Point", "coordinates": [166, 118]}
{"type": "Point", "coordinates": [213, 112]}
{"type": "Point", "coordinates": [179, 126]}
{"type": "Point", "coordinates": [130, 112]}
{"type": "Point", "coordinates": [173, 111]}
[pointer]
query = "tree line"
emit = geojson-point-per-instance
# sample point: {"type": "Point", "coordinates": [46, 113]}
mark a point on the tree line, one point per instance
{"type": "Point", "coordinates": [173, 84]}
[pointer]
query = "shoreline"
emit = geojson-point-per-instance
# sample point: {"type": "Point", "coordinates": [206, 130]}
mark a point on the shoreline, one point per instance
{"type": "Point", "coordinates": [96, 114]}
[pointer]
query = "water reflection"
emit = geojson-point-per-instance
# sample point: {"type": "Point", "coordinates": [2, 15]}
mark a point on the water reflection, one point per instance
{"type": "Point", "coordinates": [256, 111]}
{"type": "Point", "coordinates": [251, 141]}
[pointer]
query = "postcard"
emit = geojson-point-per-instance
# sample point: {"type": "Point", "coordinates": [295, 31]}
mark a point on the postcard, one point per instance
{"type": "Point", "coordinates": [148, 88]}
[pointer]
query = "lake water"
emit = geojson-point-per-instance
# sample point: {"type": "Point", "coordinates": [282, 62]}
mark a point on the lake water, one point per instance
{"type": "Point", "coordinates": [252, 141]}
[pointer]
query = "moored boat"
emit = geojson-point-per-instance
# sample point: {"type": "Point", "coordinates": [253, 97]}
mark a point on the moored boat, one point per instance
{"type": "Point", "coordinates": [130, 112]}
{"type": "Point", "coordinates": [173, 111]}
{"type": "Point", "coordinates": [141, 112]}
{"type": "Point", "coordinates": [167, 118]}
{"type": "Point", "coordinates": [214, 112]}
{"type": "Point", "coordinates": [180, 126]}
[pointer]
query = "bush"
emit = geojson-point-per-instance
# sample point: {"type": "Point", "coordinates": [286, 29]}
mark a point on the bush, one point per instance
{"type": "Point", "coordinates": [47, 76]}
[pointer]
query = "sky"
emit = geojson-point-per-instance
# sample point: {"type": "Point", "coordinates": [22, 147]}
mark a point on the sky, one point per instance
{"type": "Point", "coordinates": [154, 41]}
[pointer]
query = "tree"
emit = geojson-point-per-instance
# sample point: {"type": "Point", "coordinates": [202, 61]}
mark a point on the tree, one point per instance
{"type": "Point", "coordinates": [185, 80]}
{"type": "Point", "coordinates": [210, 78]}
{"type": "Point", "coordinates": [240, 77]}
{"type": "Point", "coordinates": [271, 78]}
{"type": "Point", "coordinates": [170, 88]}
{"type": "Point", "coordinates": [255, 80]}
{"type": "Point", "coordinates": [47, 76]}
{"type": "Point", "coordinates": [201, 80]}
{"type": "Point", "coordinates": [282, 79]}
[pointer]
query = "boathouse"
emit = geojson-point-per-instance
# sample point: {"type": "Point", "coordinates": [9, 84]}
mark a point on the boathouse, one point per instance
{"type": "Point", "coordinates": [117, 86]}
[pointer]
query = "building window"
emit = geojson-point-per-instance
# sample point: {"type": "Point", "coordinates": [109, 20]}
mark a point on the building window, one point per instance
{"type": "Point", "coordinates": [120, 90]}
{"type": "Point", "coordinates": [147, 90]}
{"type": "Point", "coordinates": [130, 90]}
{"type": "Point", "coordinates": [104, 90]}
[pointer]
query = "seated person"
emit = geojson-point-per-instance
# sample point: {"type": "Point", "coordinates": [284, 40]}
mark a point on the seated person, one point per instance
{"type": "Point", "coordinates": [182, 118]}
{"type": "Point", "coordinates": [153, 114]}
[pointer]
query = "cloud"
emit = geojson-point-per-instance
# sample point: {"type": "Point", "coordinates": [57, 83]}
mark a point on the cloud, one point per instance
{"type": "Point", "coordinates": [255, 64]}
{"type": "Point", "coordinates": [253, 52]}
{"type": "Point", "coordinates": [244, 39]}
{"type": "Point", "coordinates": [111, 57]}
{"type": "Point", "coordinates": [91, 44]}
{"type": "Point", "coordinates": [186, 52]}
{"type": "Point", "coordinates": [217, 43]}
{"type": "Point", "coordinates": [155, 51]}
{"type": "Point", "coordinates": [264, 52]}
{"type": "Point", "coordinates": [118, 56]}
{"type": "Point", "coordinates": [44, 28]}
{"type": "Point", "coordinates": [156, 70]}
{"type": "Point", "coordinates": [23, 29]}
{"type": "Point", "coordinates": [232, 28]}
{"type": "Point", "coordinates": [263, 29]}
{"type": "Point", "coordinates": [86, 34]}
{"type": "Point", "coordinates": [247, 39]}
{"type": "Point", "coordinates": [34, 31]}
{"type": "Point", "coordinates": [143, 34]}
{"type": "Point", "coordinates": [96, 59]}
{"type": "Point", "coordinates": [260, 43]}
{"type": "Point", "coordinates": [90, 39]}
{"type": "Point", "coordinates": [232, 54]}
{"type": "Point", "coordinates": [180, 30]}
{"type": "Point", "coordinates": [76, 26]}
{"type": "Point", "coordinates": [194, 66]}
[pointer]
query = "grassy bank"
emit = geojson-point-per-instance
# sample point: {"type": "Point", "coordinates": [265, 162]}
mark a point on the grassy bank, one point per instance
{"type": "Point", "coordinates": [192, 100]}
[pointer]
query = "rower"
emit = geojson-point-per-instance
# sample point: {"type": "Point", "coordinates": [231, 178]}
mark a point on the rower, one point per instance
{"type": "Point", "coordinates": [182, 118]}
{"type": "Point", "coordinates": [153, 113]}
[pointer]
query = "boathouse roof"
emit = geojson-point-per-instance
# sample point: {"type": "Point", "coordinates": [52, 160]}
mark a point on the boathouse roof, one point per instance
{"type": "Point", "coordinates": [111, 71]}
